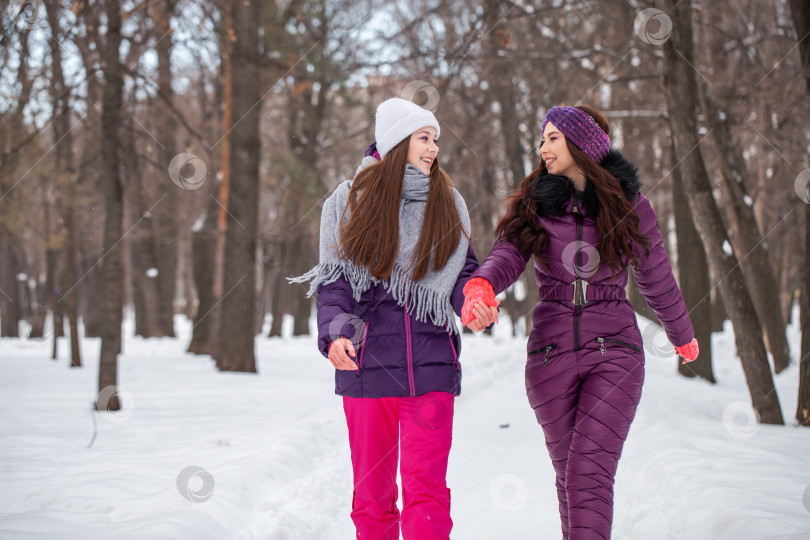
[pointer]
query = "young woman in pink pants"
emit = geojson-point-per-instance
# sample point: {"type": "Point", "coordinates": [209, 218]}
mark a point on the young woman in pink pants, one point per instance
{"type": "Point", "coordinates": [394, 259]}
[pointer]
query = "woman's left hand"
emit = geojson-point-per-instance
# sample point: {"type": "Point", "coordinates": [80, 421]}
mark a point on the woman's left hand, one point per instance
{"type": "Point", "coordinates": [689, 351]}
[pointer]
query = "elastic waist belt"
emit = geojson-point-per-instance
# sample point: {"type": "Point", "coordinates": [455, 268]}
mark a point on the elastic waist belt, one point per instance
{"type": "Point", "coordinates": [580, 292]}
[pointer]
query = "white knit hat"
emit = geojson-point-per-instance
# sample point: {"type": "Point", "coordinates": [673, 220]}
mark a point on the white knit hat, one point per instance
{"type": "Point", "coordinates": [397, 119]}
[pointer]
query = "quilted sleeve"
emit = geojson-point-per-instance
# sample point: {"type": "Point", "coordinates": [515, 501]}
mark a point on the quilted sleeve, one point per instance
{"type": "Point", "coordinates": [653, 275]}
{"type": "Point", "coordinates": [503, 266]}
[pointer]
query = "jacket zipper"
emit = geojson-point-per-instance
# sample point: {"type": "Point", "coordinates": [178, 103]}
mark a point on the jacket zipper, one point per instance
{"type": "Point", "coordinates": [603, 349]}
{"type": "Point", "coordinates": [362, 350]}
{"type": "Point", "coordinates": [408, 349]}
{"type": "Point", "coordinates": [577, 309]}
{"type": "Point", "coordinates": [547, 349]}
{"type": "Point", "coordinates": [455, 356]}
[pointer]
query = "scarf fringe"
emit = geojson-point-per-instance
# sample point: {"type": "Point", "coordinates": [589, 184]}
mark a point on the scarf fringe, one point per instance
{"type": "Point", "coordinates": [420, 302]}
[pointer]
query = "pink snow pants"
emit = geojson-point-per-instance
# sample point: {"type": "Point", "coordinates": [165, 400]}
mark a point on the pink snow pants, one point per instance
{"type": "Point", "coordinates": [421, 429]}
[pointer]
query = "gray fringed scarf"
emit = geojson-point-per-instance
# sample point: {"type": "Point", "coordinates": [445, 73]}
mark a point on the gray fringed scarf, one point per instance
{"type": "Point", "coordinates": [429, 297]}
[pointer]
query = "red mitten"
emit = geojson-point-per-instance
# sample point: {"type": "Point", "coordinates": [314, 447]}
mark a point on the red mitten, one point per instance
{"type": "Point", "coordinates": [689, 351]}
{"type": "Point", "coordinates": [476, 290]}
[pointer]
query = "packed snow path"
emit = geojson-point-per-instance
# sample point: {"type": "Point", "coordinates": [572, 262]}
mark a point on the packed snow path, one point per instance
{"type": "Point", "coordinates": [197, 454]}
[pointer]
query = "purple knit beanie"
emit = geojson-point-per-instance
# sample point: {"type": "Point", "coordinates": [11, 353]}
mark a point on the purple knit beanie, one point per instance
{"type": "Point", "coordinates": [581, 129]}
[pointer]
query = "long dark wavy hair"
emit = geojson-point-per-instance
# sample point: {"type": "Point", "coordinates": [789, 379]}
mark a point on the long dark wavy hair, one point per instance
{"type": "Point", "coordinates": [371, 236]}
{"type": "Point", "coordinates": [617, 220]}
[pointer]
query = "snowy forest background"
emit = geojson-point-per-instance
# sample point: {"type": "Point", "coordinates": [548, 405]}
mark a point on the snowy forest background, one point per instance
{"type": "Point", "coordinates": [168, 158]}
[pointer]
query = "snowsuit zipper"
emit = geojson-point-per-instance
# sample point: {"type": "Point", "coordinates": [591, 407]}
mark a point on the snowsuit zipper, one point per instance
{"type": "Point", "coordinates": [603, 349]}
{"type": "Point", "coordinates": [547, 349]}
{"type": "Point", "coordinates": [580, 218]}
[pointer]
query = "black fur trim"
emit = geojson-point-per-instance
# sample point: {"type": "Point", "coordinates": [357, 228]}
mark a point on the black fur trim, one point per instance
{"type": "Point", "coordinates": [550, 191]}
{"type": "Point", "coordinates": [624, 170]}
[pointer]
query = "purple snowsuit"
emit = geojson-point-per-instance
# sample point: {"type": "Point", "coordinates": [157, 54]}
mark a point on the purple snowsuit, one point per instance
{"type": "Point", "coordinates": [585, 364]}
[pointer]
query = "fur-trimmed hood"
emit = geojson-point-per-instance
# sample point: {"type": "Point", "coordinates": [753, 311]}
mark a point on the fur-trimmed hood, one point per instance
{"type": "Point", "coordinates": [551, 192]}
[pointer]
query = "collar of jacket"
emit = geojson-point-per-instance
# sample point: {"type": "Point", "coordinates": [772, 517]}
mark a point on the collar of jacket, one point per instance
{"type": "Point", "coordinates": [554, 194]}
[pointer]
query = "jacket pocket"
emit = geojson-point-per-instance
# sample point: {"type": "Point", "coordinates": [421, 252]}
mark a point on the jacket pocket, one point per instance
{"type": "Point", "coordinates": [544, 350]}
{"type": "Point", "coordinates": [603, 347]}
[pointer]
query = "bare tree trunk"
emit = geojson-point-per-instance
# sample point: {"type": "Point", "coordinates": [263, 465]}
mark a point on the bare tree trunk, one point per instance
{"type": "Point", "coordinates": [297, 238]}
{"type": "Point", "coordinates": [87, 291]}
{"type": "Point", "coordinates": [225, 169]}
{"type": "Point", "coordinates": [70, 277]}
{"type": "Point", "coordinates": [204, 248]}
{"type": "Point", "coordinates": [58, 316]}
{"type": "Point", "coordinates": [92, 312]}
{"type": "Point", "coordinates": [682, 104]}
{"type": "Point", "coordinates": [280, 293]}
{"type": "Point", "coordinates": [787, 292]}
{"type": "Point", "coordinates": [504, 91]}
{"type": "Point", "coordinates": [801, 20]}
{"type": "Point", "coordinates": [238, 300]}
{"type": "Point", "coordinates": [166, 214]}
{"type": "Point", "coordinates": [207, 252]}
{"type": "Point", "coordinates": [302, 314]}
{"type": "Point", "coordinates": [746, 238]}
{"type": "Point", "coordinates": [263, 299]}
{"type": "Point", "coordinates": [306, 116]}
{"type": "Point", "coordinates": [9, 298]}
{"type": "Point", "coordinates": [112, 282]}
{"type": "Point", "coordinates": [307, 112]}
{"type": "Point", "coordinates": [693, 273]}
{"type": "Point", "coordinates": [51, 262]}
{"type": "Point", "coordinates": [35, 305]}
{"type": "Point", "coordinates": [9, 301]}
{"type": "Point", "coordinates": [803, 407]}
{"type": "Point", "coordinates": [142, 201]}
{"type": "Point", "coordinates": [719, 315]}
{"type": "Point", "coordinates": [144, 287]}
{"type": "Point", "coordinates": [14, 296]}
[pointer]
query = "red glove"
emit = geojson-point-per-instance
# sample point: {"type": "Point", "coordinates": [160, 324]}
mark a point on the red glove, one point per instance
{"type": "Point", "coordinates": [689, 351]}
{"type": "Point", "coordinates": [476, 290]}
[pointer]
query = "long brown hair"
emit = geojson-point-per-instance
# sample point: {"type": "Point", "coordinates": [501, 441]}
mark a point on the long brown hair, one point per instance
{"type": "Point", "coordinates": [617, 220]}
{"type": "Point", "coordinates": [371, 237]}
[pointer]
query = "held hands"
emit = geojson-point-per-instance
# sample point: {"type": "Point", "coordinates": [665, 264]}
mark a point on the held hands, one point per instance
{"type": "Point", "coordinates": [341, 352]}
{"type": "Point", "coordinates": [689, 351]}
{"type": "Point", "coordinates": [480, 308]}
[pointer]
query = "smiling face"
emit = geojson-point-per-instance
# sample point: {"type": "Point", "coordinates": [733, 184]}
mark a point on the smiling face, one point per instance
{"type": "Point", "coordinates": [556, 155]}
{"type": "Point", "coordinates": [422, 149]}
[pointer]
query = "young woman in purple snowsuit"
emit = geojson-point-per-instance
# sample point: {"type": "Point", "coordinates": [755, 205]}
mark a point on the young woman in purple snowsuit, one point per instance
{"type": "Point", "coordinates": [582, 217]}
{"type": "Point", "coordinates": [394, 259]}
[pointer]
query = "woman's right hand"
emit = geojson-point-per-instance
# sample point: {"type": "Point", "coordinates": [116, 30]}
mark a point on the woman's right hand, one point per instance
{"type": "Point", "coordinates": [483, 316]}
{"type": "Point", "coordinates": [341, 352]}
{"type": "Point", "coordinates": [480, 308]}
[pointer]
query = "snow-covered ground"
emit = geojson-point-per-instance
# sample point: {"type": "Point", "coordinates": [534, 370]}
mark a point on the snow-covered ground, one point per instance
{"type": "Point", "coordinates": [197, 454]}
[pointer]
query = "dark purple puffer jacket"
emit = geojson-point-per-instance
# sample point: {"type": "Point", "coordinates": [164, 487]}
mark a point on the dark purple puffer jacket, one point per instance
{"type": "Point", "coordinates": [398, 356]}
{"type": "Point", "coordinates": [557, 324]}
